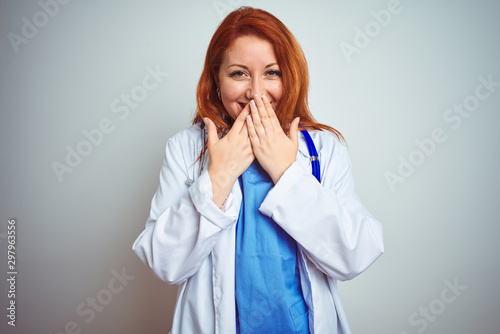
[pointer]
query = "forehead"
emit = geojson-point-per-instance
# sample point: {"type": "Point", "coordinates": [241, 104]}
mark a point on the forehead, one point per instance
{"type": "Point", "coordinates": [250, 49]}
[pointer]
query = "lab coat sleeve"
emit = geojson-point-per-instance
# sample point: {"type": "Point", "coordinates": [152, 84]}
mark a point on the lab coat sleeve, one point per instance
{"type": "Point", "coordinates": [335, 231]}
{"type": "Point", "coordinates": [184, 224]}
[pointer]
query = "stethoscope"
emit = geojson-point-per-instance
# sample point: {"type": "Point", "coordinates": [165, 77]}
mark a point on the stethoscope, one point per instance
{"type": "Point", "coordinates": [313, 154]}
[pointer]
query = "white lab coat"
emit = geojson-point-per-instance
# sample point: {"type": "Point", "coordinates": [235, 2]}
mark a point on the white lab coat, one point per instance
{"type": "Point", "coordinates": [189, 241]}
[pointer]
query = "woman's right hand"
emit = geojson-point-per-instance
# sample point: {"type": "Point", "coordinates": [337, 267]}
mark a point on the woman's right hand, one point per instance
{"type": "Point", "coordinates": [229, 156]}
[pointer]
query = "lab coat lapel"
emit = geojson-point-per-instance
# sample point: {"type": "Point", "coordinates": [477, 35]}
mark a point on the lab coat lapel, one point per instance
{"type": "Point", "coordinates": [223, 274]}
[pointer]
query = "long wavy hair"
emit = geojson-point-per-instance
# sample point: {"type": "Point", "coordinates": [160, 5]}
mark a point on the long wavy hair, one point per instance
{"type": "Point", "coordinates": [246, 21]}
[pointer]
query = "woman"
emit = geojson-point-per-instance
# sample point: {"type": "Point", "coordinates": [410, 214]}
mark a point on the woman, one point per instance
{"type": "Point", "coordinates": [255, 242]}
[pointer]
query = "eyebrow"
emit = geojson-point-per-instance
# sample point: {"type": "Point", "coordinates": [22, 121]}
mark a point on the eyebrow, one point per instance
{"type": "Point", "coordinates": [246, 67]}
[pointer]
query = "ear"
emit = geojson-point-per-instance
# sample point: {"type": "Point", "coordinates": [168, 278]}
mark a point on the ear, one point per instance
{"type": "Point", "coordinates": [216, 79]}
{"type": "Point", "coordinates": [217, 88]}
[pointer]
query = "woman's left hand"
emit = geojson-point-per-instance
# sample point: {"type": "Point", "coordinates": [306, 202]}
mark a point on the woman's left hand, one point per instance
{"type": "Point", "coordinates": [274, 150]}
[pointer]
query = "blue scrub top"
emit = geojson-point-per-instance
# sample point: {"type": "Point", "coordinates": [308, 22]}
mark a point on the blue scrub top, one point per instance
{"type": "Point", "coordinates": [267, 284]}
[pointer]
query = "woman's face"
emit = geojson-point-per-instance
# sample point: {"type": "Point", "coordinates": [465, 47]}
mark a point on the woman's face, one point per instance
{"type": "Point", "coordinates": [249, 67]}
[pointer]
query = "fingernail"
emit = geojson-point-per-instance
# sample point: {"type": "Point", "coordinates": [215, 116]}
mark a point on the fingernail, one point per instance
{"type": "Point", "coordinates": [264, 97]}
{"type": "Point", "coordinates": [252, 103]}
{"type": "Point", "coordinates": [256, 96]}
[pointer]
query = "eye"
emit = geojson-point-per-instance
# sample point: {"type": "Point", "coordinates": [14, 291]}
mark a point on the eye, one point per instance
{"type": "Point", "coordinates": [274, 73]}
{"type": "Point", "coordinates": [237, 74]}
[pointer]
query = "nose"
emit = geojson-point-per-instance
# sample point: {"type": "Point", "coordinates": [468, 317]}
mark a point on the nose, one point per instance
{"type": "Point", "coordinates": [256, 86]}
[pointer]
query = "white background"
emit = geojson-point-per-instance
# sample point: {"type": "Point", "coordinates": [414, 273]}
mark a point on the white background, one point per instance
{"type": "Point", "coordinates": [74, 234]}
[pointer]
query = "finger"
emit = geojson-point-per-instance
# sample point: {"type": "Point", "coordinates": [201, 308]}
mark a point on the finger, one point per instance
{"type": "Point", "coordinates": [252, 133]}
{"type": "Point", "coordinates": [264, 117]}
{"type": "Point", "coordinates": [244, 130]}
{"type": "Point", "coordinates": [244, 133]}
{"type": "Point", "coordinates": [271, 113]}
{"type": "Point", "coordinates": [256, 120]}
{"type": "Point", "coordinates": [239, 123]}
{"type": "Point", "coordinates": [212, 136]}
{"type": "Point", "coordinates": [294, 130]}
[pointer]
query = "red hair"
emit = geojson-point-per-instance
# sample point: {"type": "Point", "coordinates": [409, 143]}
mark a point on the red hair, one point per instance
{"type": "Point", "coordinates": [246, 21]}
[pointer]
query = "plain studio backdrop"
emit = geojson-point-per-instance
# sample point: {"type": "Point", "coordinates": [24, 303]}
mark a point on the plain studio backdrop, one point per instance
{"type": "Point", "coordinates": [91, 91]}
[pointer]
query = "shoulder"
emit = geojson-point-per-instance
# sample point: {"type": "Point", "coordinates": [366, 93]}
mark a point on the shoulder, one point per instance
{"type": "Point", "coordinates": [186, 143]}
{"type": "Point", "coordinates": [190, 135]}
